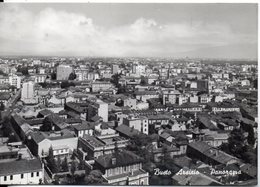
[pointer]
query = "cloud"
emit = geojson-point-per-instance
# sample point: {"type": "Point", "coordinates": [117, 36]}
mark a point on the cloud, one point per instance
{"type": "Point", "coordinates": [56, 32]}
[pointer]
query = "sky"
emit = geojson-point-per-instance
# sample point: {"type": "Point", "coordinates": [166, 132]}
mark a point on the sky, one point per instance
{"type": "Point", "coordinates": [129, 30]}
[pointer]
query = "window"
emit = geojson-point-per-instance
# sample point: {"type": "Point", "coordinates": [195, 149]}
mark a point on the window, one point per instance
{"type": "Point", "coordinates": [37, 174]}
{"type": "Point", "coordinates": [21, 176]}
{"type": "Point", "coordinates": [5, 178]}
{"type": "Point", "coordinates": [32, 174]}
{"type": "Point", "coordinates": [11, 177]}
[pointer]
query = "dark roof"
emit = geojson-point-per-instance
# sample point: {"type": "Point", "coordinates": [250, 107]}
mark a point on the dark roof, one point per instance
{"type": "Point", "coordinates": [199, 179]}
{"type": "Point", "coordinates": [37, 136]}
{"type": "Point", "coordinates": [62, 112]}
{"type": "Point", "coordinates": [224, 104]}
{"type": "Point", "coordinates": [5, 96]}
{"type": "Point", "coordinates": [20, 166]}
{"type": "Point", "coordinates": [37, 121]}
{"type": "Point", "coordinates": [72, 120]}
{"type": "Point", "coordinates": [104, 125]}
{"type": "Point", "coordinates": [5, 86]}
{"type": "Point", "coordinates": [122, 158]}
{"type": "Point", "coordinates": [205, 121]}
{"type": "Point", "coordinates": [96, 118]}
{"type": "Point", "coordinates": [146, 93]}
{"type": "Point", "coordinates": [45, 112]}
{"type": "Point", "coordinates": [18, 119]}
{"type": "Point", "coordinates": [85, 126]}
{"type": "Point", "coordinates": [127, 131]}
{"type": "Point", "coordinates": [205, 149]}
{"type": "Point", "coordinates": [249, 170]}
{"type": "Point", "coordinates": [183, 161]}
{"type": "Point", "coordinates": [248, 121]}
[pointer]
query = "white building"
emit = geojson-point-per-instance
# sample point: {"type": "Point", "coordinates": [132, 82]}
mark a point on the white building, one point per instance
{"type": "Point", "coordinates": [245, 83]}
{"type": "Point", "coordinates": [138, 123]}
{"type": "Point", "coordinates": [27, 91]}
{"type": "Point", "coordinates": [4, 79]}
{"type": "Point", "coordinates": [15, 80]}
{"type": "Point", "coordinates": [63, 72]}
{"type": "Point", "coordinates": [100, 108]}
{"type": "Point", "coordinates": [21, 172]}
{"type": "Point", "coordinates": [40, 78]}
{"type": "Point", "coordinates": [140, 70]}
{"type": "Point", "coordinates": [115, 69]}
{"type": "Point", "coordinates": [81, 74]}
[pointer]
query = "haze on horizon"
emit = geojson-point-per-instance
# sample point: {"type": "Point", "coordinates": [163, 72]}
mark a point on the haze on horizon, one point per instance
{"type": "Point", "coordinates": [123, 30]}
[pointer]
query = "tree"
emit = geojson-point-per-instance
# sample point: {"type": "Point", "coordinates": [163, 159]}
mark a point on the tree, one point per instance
{"type": "Point", "coordinates": [82, 165]}
{"type": "Point", "coordinates": [115, 79]}
{"type": "Point", "coordinates": [2, 106]}
{"type": "Point", "coordinates": [53, 75]}
{"type": "Point", "coordinates": [64, 165]}
{"type": "Point", "coordinates": [42, 152]}
{"type": "Point", "coordinates": [94, 177]}
{"type": "Point", "coordinates": [73, 168]}
{"type": "Point", "coordinates": [121, 89]}
{"type": "Point", "coordinates": [72, 76]}
{"type": "Point", "coordinates": [2, 73]}
{"type": "Point", "coordinates": [251, 136]}
{"type": "Point", "coordinates": [12, 138]}
{"type": "Point", "coordinates": [73, 157]}
{"type": "Point", "coordinates": [58, 163]}
{"type": "Point", "coordinates": [47, 124]}
{"type": "Point", "coordinates": [66, 84]}
{"type": "Point", "coordinates": [250, 157]}
{"type": "Point", "coordinates": [237, 142]}
{"type": "Point", "coordinates": [119, 102]}
{"type": "Point", "coordinates": [143, 81]}
{"type": "Point", "coordinates": [23, 70]}
{"type": "Point", "coordinates": [40, 181]}
{"type": "Point", "coordinates": [51, 161]}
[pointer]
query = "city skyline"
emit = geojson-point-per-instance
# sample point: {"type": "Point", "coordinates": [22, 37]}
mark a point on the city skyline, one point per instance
{"type": "Point", "coordinates": [139, 30]}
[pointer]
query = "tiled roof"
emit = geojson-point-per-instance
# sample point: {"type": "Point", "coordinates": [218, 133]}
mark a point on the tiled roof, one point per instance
{"type": "Point", "coordinates": [130, 132]}
{"type": "Point", "coordinates": [5, 96]}
{"type": "Point", "coordinates": [212, 152]}
{"type": "Point", "coordinates": [249, 170]}
{"type": "Point", "coordinates": [122, 158]}
{"type": "Point", "coordinates": [199, 179]}
{"type": "Point", "coordinates": [85, 126]}
{"type": "Point", "coordinates": [20, 166]}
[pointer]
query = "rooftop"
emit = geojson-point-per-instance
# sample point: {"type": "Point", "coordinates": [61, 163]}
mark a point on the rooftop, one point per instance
{"type": "Point", "coordinates": [20, 166]}
{"type": "Point", "coordinates": [128, 131]}
{"type": "Point", "coordinates": [122, 158]}
{"type": "Point", "coordinates": [212, 152]}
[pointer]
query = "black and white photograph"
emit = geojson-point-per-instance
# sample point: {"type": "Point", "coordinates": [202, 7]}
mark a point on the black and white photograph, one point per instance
{"type": "Point", "coordinates": [124, 94]}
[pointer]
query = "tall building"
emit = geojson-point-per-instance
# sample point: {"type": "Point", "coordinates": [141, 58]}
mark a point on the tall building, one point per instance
{"type": "Point", "coordinates": [81, 74]}
{"type": "Point", "coordinates": [15, 80]}
{"type": "Point", "coordinates": [115, 69]}
{"type": "Point", "coordinates": [203, 84]}
{"type": "Point", "coordinates": [63, 72]}
{"type": "Point", "coordinates": [140, 70]}
{"type": "Point", "coordinates": [27, 91]}
{"type": "Point", "coordinates": [97, 108]}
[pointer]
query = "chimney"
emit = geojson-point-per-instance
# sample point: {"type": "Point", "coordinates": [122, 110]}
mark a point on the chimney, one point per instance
{"type": "Point", "coordinates": [217, 152]}
{"type": "Point", "coordinates": [113, 161]}
{"type": "Point", "coordinates": [19, 156]}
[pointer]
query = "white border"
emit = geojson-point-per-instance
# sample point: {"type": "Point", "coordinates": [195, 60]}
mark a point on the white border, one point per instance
{"type": "Point", "coordinates": [131, 1]}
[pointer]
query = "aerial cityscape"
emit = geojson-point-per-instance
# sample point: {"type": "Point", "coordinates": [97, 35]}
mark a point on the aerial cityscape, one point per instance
{"type": "Point", "coordinates": [137, 111]}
